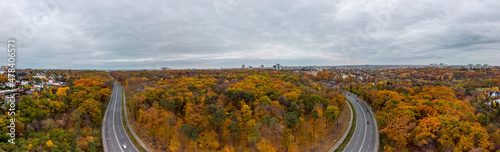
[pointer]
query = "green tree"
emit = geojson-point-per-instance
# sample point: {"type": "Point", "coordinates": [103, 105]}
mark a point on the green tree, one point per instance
{"type": "Point", "coordinates": [218, 118]}
{"type": "Point", "coordinates": [233, 127]}
{"type": "Point", "coordinates": [191, 132]}
{"type": "Point", "coordinates": [332, 113]}
{"type": "Point", "coordinates": [265, 100]}
{"type": "Point", "coordinates": [291, 119]}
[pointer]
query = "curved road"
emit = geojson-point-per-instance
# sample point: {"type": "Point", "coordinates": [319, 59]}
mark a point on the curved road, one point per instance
{"type": "Point", "coordinates": [114, 136]}
{"type": "Point", "coordinates": [365, 135]}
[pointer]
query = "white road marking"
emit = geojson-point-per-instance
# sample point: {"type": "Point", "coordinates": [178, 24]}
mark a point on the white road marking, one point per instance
{"type": "Point", "coordinates": [364, 137]}
{"type": "Point", "coordinates": [114, 129]}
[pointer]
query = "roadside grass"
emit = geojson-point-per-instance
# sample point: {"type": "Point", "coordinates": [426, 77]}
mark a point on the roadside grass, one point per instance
{"type": "Point", "coordinates": [351, 131]}
{"type": "Point", "coordinates": [333, 131]}
{"type": "Point", "coordinates": [99, 132]}
{"type": "Point", "coordinates": [483, 89]}
{"type": "Point", "coordinates": [136, 143]}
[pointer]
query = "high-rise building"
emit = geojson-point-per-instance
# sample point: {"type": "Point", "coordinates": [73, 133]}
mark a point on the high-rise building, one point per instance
{"type": "Point", "coordinates": [486, 66]}
{"type": "Point", "coordinates": [262, 66]}
{"type": "Point", "coordinates": [277, 67]}
{"type": "Point", "coordinates": [243, 66]}
{"type": "Point", "coordinates": [165, 68]}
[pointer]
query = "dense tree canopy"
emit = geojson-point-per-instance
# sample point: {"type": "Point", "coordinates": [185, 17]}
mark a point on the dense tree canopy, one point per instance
{"type": "Point", "coordinates": [429, 109]}
{"type": "Point", "coordinates": [233, 110]}
{"type": "Point", "coordinates": [61, 118]}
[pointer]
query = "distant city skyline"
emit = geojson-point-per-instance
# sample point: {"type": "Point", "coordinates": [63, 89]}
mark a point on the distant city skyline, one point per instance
{"type": "Point", "coordinates": [292, 67]}
{"type": "Point", "coordinates": [116, 35]}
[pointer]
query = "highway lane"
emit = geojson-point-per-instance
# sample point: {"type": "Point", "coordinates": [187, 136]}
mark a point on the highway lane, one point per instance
{"type": "Point", "coordinates": [365, 135]}
{"type": "Point", "coordinates": [114, 137]}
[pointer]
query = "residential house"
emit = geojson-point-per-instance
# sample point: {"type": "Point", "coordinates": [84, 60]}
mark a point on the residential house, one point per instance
{"type": "Point", "coordinates": [40, 76]}
{"type": "Point", "coordinates": [8, 84]}
{"type": "Point", "coordinates": [24, 82]}
{"type": "Point", "coordinates": [494, 94]}
{"type": "Point", "coordinates": [50, 81]}
{"type": "Point", "coordinates": [56, 83]}
{"type": "Point", "coordinates": [18, 90]}
{"type": "Point", "coordinates": [29, 92]}
{"type": "Point", "coordinates": [38, 85]}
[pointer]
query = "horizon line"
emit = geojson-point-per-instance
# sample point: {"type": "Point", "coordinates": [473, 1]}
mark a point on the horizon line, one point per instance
{"type": "Point", "coordinates": [257, 67]}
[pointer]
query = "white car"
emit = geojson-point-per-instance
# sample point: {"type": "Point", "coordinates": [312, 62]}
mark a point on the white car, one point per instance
{"type": "Point", "coordinates": [124, 147]}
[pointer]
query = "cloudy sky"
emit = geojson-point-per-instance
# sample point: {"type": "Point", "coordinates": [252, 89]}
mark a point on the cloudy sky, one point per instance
{"type": "Point", "coordinates": [95, 34]}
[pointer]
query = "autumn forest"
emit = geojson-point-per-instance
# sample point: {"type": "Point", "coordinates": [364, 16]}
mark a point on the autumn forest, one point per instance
{"type": "Point", "coordinates": [232, 110]}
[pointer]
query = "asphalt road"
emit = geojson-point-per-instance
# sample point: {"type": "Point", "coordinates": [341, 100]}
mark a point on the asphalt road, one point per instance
{"type": "Point", "coordinates": [115, 138]}
{"type": "Point", "coordinates": [365, 135]}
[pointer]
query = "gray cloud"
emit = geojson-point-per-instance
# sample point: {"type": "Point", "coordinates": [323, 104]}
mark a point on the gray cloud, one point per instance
{"type": "Point", "coordinates": [227, 33]}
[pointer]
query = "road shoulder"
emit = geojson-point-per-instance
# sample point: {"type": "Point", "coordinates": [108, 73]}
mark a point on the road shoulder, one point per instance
{"type": "Point", "coordinates": [130, 130]}
{"type": "Point", "coordinates": [346, 132]}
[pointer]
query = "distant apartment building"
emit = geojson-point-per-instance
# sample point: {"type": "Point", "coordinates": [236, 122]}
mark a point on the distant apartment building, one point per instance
{"type": "Point", "coordinates": [262, 66]}
{"type": "Point", "coordinates": [165, 68]}
{"type": "Point", "coordinates": [243, 66]}
{"type": "Point", "coordinates": [470, 66]}
{"type": "Point", "coordinates": [486, 66]}
{"type": "Point", "coordinates": [277, 67]}
{"type": "Point", "coordinates": [478, 66]}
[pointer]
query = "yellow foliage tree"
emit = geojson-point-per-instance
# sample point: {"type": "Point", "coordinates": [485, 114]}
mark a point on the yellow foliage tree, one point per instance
{"type": "Point", "coordinates": [208, 139]}
{"type": "Point", "coordinates": [62, 91]}
{"type": "Point", "coordinates": [265, 146]}
{"type": "Point", "coordinates": [426, 130]}
{"type": "Point", "coordinates": [49, 144]}
{"type": "Point", "coordinates": [174, 144]}
{"type": "Point", "coordinates": [35, 94]}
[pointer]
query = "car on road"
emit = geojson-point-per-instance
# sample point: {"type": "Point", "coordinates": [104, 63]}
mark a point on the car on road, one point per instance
{"type": "Point", "coordinates": [124, 147]}
{"type": "Point", "coordinates": [368, 122]}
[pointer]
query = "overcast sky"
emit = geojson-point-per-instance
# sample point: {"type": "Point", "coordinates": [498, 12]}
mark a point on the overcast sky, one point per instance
{"type": "Point", "coordinates": [113, 34]}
